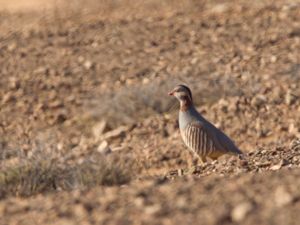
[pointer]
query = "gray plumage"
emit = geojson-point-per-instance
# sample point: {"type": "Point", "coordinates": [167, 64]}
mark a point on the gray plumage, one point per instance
{"type": "Point", "coordinates": [200, 136]}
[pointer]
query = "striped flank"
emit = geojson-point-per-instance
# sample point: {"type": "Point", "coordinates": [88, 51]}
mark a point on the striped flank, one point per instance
{"type": "Point", "coordinates": [198, 140]}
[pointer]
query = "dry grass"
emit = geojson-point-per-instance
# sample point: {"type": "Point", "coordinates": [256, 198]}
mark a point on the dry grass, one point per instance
{"type": "Point", "coordinates": [45, 168]}
{"type": "Point", "coordinates": [41, 175]}
{"type": "Point", "coordinates": [29, 178]}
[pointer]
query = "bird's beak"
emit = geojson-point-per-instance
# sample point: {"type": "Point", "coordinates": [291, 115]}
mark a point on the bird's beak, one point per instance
{"type": "Point", "coordinates": [171, 93]}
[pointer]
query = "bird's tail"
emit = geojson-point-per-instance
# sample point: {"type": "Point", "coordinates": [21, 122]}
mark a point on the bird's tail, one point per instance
{"type": "Point", "coordinates": [237, 151]}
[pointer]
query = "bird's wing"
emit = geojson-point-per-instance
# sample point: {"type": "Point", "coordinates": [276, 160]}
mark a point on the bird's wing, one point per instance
{"type": "Point", "coordinates": [216, 138]}
{"type": "Point", "coordinates": [228, 144]}
{"type": "Point", "coordinates": [225, 142]}
{"type": "Point", "coordinates": [198, 138]}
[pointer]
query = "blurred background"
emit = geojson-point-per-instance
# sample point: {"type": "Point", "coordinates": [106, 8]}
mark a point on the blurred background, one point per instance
{"type": "Point", "coordinates": [84, 106]}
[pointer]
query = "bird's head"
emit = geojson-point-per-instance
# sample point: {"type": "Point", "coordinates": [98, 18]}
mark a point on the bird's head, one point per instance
{"type": "Point", "coordinates": [182, 93]}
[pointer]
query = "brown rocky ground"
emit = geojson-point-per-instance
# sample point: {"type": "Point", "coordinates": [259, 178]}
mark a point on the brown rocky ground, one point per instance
{"type": "Point", "coordinates": [89, 136]}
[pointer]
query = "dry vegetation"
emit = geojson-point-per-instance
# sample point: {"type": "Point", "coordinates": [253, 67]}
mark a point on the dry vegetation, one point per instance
{"type": "Point", "coordinates": [88, 134]}
{"type": "Point", "coordinates": [41, 175]}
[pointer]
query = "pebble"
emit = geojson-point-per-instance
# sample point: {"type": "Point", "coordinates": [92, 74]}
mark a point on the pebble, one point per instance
{"type": "Point", "coordinates": [282, 197]}
{"type": "Point", "coordinates": [115, 133]}
{"type": "Point", "coordinates": [152, 209]}
{"type": "Point", "coordinates": [240, 211]}
{"type": "Point", "coordinates": [99, 128]}
{"type": "Point", "coordinates": [104, 148]}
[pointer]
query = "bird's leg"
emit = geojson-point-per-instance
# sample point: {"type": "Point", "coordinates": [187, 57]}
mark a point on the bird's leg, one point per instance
{"type": "Point", "coordinates": [195, 160]}
{"type": "Point", "coordinates": [202, 159]}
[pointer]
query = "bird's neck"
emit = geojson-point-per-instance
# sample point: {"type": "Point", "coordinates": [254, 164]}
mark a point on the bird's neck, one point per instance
{"type": "Point", "coordinates": [185, 104]}
{"type": "Point", "coordinates": [186, 115]}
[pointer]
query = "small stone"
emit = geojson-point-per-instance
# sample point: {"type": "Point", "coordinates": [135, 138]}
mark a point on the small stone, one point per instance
{"type": "Point", "coordinates": [79, 211]}
{"type": "Point", "coordinates": [282, 163]}
{"type": "Point", "coordinates": [88, 64]}
{"type": "Point", "coordinates": [8, 97]}
{"type": "Point", "coordinates": [99, 128]}
{"type": "Point", "coordinates": [180, 172]}
{"type": "Point", "coordinates": [104, 148]}
{"type": "Point", "coordinates": [12, 47]}
{"type": "Point", "coordinates": [181, 203]}
{"type": "Point", "coordinates": [282, 197]}
{"type": "Point", "coordinates": [194, 61]}
{"type": "Point", "coordinates": [295, 144]}
{"type": "Point", "coordinates": [139, 202]}
{"type": "Point", "coordinates": [262, 164]}
{"type": "Point", "coordinates": [40, 70]}
{"type": "Point", "coordinates": [275, 167]}
{"type": "Point", "coordinates": [56, 104]}
{"type": "Point", "coordinates": [264, 151]}
{"type": "Point", "coordinates": [219, 8]}
{"type": "Point", "coordinates": [293, 129]}
{"type": "Point", "coordinates": [290, 98]}
{"type": "Point", "coordinates": [117, 148]}
{"type": "Point", "coordinates": [120, 131]}
{"type": "Point", "coordinates": [60, 146]}
{"type": "Point", "coordinates": [146, 80]}
{"type": "Point", "coordinates": [80, 59]}
{"type": "Point", "coordinates": [240, 211]}
{"type": "Point", "coordinates": [14, 83]}
{"type": "Point", "coordinates": [153, 209]}
{"type": "Point", "coordinates": [273, 59]}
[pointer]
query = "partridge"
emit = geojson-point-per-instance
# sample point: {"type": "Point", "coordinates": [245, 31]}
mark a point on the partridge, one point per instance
{"type": "Point", "coordinates": [198, 134]}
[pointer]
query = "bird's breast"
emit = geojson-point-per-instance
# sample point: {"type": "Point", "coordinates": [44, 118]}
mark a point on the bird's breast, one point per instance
{"type": "Point", "coordinates": [184, 119]}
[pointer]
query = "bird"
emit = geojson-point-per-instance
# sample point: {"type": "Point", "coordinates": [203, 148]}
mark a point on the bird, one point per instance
{"type": "Point", "coordinates": [201, 137]}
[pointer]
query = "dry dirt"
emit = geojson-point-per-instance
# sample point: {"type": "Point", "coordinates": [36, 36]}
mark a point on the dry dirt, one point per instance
{"type": "Point", "coordinates": [83, 87]}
